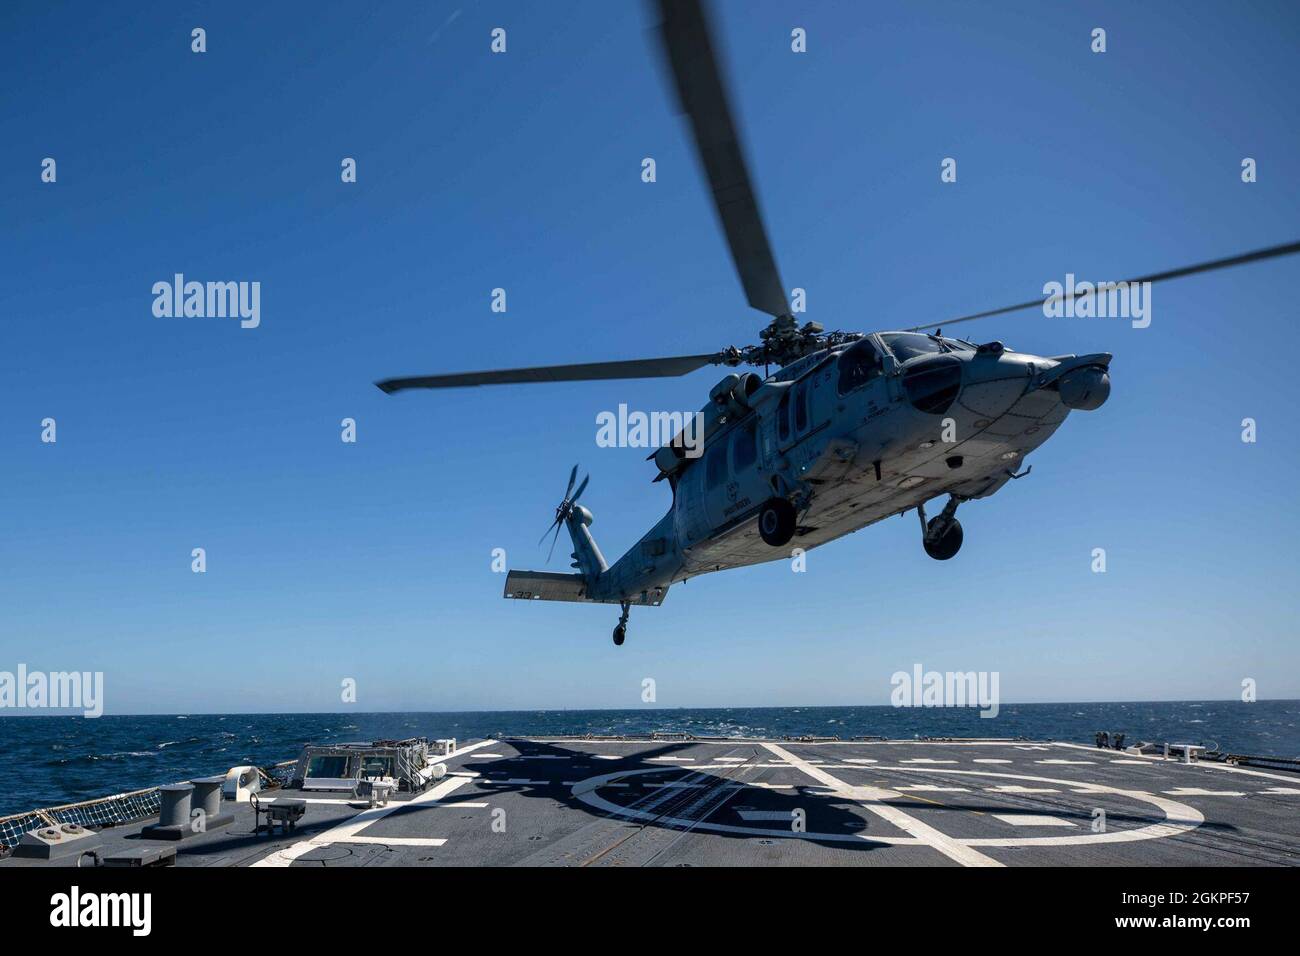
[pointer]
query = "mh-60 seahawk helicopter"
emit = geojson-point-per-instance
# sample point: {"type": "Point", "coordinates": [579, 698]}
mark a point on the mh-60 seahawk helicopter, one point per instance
{"type": "Point", "coordinates": [851, 428]}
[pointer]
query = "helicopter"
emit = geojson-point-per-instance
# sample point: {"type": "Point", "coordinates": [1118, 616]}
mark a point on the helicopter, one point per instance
{"type": "Point", "coordinates": [851, 428]}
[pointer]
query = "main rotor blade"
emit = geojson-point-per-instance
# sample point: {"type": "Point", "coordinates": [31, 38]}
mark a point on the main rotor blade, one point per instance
{"type": "Point", "coordinates": [573, 476]}
{"type": "Point", "coordinates": [1272, 252]}
{"type": "Point", "coordinates": [702, 94]}
{"type": "Point", "coordinates": [590, 371]}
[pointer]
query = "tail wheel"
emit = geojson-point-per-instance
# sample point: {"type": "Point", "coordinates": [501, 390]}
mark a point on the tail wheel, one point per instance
{"type": "Point", "coordinates": [946, 545]}
{"type": "Point", "coordinates": [620, 633]}
{"type": "Point", "coordinates": [776, 522]}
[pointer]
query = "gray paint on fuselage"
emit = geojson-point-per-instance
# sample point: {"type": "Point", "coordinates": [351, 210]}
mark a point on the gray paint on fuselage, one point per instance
{"type": "Point", "coordinates": [1002, 407]}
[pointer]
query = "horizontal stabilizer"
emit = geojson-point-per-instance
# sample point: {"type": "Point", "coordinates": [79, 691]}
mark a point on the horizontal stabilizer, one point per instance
{"type": "Point", "coordinates": [557, 586]}
{"type": "Point", "coordinates": [546, 586]}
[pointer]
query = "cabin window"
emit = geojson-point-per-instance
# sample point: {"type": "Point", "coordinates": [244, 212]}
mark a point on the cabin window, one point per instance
{"type": "Point", "coordinates": [745, 451]}
{"type": "Point", "coordinates": [328, 767]}
{"type": "Point", "coordinates": [783, 419]}
{"type": "Point", "coordinates": [858, 366]}
{"type": "Point", "coordinates": [715, 465]}
{"type": "Point", "coordinates": [377, 767]}
{"type": "Point", "coordinates": [801, 407]}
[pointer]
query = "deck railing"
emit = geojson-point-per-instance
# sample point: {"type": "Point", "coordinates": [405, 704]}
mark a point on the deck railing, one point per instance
{"type": "Point", "coordinates": [106, 811]}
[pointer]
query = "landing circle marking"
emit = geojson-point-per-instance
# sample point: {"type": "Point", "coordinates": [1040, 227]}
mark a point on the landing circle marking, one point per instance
{"type": "Point", "coordinates": [1179, 817]}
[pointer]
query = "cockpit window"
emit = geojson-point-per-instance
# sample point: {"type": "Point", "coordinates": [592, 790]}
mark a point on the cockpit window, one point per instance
{"type": "Point", "coordinates": [859, 364]}
{"type": "Point", "coordinates": [908, 345]}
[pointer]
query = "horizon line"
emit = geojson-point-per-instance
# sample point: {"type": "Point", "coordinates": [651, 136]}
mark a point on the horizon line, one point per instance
{"type": "Point", "coordinates": [76, 712]}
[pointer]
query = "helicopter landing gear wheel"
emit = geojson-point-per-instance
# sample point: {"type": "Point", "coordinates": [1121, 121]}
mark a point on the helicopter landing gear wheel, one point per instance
{"type": "Point", "coordinates": [946, 544]}
{"type": "Point", "coordinates": [620, 629]}
{"type": "Point", "coordinates": [941, 536]}
{"type": "Point", "coordinates": [776, 522]}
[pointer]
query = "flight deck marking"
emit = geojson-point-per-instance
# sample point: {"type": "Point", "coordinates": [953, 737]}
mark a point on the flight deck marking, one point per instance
{"type": "Point", "coordinates": [343, 832]}
{"type": "Point", "coordinates": [872, 798]}
{"type": "Point", "coordinates": [1032, 820]}
{"type": "Point", "coordinates": [393, 841]}
{"type": "Point", "coordinates": [1179, 817]}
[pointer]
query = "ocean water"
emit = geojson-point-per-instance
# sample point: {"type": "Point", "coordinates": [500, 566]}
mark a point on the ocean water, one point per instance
{"type": "Point", "coordinates": [45, 761]}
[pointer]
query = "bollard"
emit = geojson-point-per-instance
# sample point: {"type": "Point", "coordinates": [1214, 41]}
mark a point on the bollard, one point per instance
{"type": "Point", "coordinates": [207, 795]}
{"type": "Point", "coordinates": [176, 800]}
{"type": "Point", "coordinates": [174, 816]}
{"type": "Point", "coordinates": [207, 798]}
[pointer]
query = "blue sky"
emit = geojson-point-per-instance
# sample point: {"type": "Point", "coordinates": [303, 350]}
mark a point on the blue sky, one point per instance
{"type": "Point", "coordinates": [372, 561]}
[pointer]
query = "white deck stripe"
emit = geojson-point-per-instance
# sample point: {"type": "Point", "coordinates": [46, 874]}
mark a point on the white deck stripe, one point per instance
{"type": "Point", "coordinates": [1030, 820]}
{"type": "Point", "coordinates": [345, 831]}
{"type": "Point", "coordinates": [872, 798]}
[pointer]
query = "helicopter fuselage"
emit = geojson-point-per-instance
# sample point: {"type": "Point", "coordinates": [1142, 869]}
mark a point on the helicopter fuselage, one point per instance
{"type": "Point", "coordinates": [853, 435]}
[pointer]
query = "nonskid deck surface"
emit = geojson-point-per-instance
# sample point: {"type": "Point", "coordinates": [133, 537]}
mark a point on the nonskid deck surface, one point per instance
{"type": "Point", "coordinates": [544, 802]}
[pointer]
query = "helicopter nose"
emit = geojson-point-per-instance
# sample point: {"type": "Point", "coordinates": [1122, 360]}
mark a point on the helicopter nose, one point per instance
{"type": "Point", "coordinates": [993, 381]}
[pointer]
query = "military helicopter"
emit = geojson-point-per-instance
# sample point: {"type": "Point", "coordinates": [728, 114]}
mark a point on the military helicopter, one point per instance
{"type": "Point", "coordinates": [850, 429]}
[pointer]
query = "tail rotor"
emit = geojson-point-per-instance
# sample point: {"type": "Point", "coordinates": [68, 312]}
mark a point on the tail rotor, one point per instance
{"type": "Point", "coordinates": [563, 510]}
